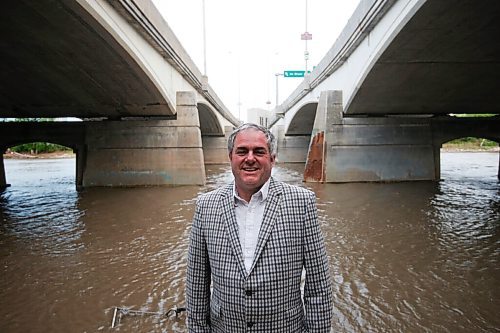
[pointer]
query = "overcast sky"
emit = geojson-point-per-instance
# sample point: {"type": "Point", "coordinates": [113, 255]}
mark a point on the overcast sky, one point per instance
{"type": "Point", "coordinates": [249, 41]}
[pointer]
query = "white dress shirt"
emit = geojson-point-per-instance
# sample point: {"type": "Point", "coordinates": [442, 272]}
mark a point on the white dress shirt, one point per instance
{"type": "Point", "coordinates": [249, 216]}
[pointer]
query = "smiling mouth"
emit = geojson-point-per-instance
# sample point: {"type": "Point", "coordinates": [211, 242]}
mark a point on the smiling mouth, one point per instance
{"type": "Point", "coordinates": [250, 169]}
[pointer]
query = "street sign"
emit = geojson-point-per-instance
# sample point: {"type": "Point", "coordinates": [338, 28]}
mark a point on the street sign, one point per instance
{"type": "Point", "coordinates": [306, 36]}
{"type": "Point", "coordinates": [295, 73]}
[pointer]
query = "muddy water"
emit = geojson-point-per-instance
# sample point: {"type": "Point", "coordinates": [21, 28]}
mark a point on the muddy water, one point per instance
{"type": "Point", "coordinates": [405, 257]}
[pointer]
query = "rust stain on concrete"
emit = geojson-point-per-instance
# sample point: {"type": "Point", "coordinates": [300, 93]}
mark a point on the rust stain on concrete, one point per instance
{"type": "Point", "coordinates": [315, 164]}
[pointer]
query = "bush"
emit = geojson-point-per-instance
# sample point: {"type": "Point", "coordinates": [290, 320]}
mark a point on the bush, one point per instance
{"type": "Point", "coordinates": [38, 147]}
{"type": "Point", "coordinates": [473, 142]}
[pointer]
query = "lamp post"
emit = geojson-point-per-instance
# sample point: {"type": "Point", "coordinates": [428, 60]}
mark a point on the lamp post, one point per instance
{"type": "Point", "coordinates": [204, 42]}
{"type": "Point", "coordinates": [306, 52]}
{"type": "Point", "coordinates": [277, 95]}
{"type": "Point", "coordinates": [305, 37]}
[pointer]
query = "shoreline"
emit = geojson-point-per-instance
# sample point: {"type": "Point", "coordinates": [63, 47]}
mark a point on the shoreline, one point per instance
{"type": "Point", "coordinates": [458, 149]}
{"type": "Point", "coordinates": [70, 154]}
{"type": "Point", "coordinates": [26, 156]}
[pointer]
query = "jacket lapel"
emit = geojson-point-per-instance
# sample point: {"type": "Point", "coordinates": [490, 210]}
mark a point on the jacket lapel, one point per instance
{"type": "Point", "coordinates": [271, 210]}
{"type": "Point", "coordinates": [229, 218]}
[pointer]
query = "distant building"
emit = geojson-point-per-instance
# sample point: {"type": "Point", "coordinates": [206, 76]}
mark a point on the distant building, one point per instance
{"type": "Point", "coordinates": [259, 116]}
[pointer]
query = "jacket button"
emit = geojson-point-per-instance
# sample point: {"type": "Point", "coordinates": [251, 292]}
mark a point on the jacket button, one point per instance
{"type": "Point", "coordinates": [248, 292]}
{"type": "Point", "coordinates": [249, 324]}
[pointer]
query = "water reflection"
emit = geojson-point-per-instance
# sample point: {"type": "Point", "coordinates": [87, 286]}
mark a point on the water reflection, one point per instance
{"type": "Point", "coordinates": [406, 257]}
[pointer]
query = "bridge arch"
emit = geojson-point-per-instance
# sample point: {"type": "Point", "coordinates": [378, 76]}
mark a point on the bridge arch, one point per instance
{"type": "Point", "coordinates": [5, 146]}
{"type": "Point", "coordinates": [43, 138]}
{"type": "Point", "coordinates": [70, 134]}
{"type": "Point", "coordinates": [439, 162]}
{"type": "Point", "coordinates": [446, 129]}
{"type": "Point", "coordinates": [295, 135]}
{"type": "Point", "coordinates": [209, 123]}
{"type": "Point", "coordinates": [302, 122]}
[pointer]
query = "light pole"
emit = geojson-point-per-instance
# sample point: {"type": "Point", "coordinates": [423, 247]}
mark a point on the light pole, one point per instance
{"type": "Point", "coordinates": [306, 52]}
{"type": "Point", "coordinates": [305, 37]}
{"type": "Point", "coordinates": [277, 95]}
{"type": "Point", "coordinates": [204, 42]}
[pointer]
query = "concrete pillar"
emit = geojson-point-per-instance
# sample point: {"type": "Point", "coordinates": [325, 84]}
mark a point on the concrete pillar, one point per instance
{"type": "Point", "coordinates": [81, 156]}
{"type": "Point", "coordinates": [215, 147]}
{"type": "Point", "coordinates": [280, 136]}
{"type": "Point", "coordinates": [152, 152]}
{"type": "Point", "coordinates": [367, 149]}
{"type": "Point", "coordinates": [292, 149]}
{"type": "Point", "coordinates": [3, 180]}
{"type": "Point", "coordinates": [328, 112]}
{"type": "Point", "coordinates": [437, 161]}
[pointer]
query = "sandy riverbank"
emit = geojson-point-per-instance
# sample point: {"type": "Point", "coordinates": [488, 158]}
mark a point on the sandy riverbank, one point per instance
{"type": "Point", "coordinates": [70, 154]}
{"type": "Point", "coordinates": [56, 154]}
{"type": "Point", "coordinates": [465, 149]}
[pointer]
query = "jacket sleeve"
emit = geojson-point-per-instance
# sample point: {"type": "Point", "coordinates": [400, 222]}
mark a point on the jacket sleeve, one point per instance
{"type": "Point", "coordinates": [198, 277]}
{"type": "Point", "coordinates": [317, 286]}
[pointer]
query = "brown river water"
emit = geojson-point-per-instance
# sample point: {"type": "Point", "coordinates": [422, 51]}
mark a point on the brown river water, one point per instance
{"type": "Point", "coordinates": [405, 257]}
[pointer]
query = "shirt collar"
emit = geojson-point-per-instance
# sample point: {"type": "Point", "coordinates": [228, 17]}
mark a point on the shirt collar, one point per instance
{"type": "Point", "coordinates": [264, 191]}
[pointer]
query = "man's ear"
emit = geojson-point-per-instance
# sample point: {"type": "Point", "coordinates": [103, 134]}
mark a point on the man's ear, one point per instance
{"type": "Point", "coordinates": [273, 158]}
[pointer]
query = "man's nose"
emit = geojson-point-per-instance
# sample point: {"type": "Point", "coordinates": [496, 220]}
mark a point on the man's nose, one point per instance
{"type": "Point", "coordinates": [250, 156]}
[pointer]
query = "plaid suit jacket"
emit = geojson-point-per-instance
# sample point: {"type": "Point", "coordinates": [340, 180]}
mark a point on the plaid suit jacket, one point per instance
{"type": "Point", "coordinates": [223, 297]}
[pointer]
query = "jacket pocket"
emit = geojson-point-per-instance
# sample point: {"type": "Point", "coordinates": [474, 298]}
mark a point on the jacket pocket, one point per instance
{"type": "Point", "coordinates": [295, 311]}
{"type": "Point", "coordinates": [216, 317]}
{"type": "Point", "coordinates": [295, 318]}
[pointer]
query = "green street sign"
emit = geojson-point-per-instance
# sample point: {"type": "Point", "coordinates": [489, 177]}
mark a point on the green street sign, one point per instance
{"type": "Point", "coordinates": [295, 73]}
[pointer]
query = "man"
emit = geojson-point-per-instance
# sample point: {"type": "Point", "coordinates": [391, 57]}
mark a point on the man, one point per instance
{"type": "Point", "coordinates": [250, 242]}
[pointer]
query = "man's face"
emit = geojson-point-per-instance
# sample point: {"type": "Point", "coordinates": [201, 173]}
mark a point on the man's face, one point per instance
{"type": "Point", "coordinates": [251, 161]}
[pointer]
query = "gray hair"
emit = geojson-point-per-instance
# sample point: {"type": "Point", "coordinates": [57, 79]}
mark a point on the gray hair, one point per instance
{"type": "Point", "coordinates": [271, 140]}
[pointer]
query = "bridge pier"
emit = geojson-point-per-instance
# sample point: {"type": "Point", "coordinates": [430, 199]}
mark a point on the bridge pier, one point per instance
{"type": "Point", "coordinates": [369, 149]}
{"type": "Point", "coordinates": [3, 180]}
{"type": "Point", "coordinates": [215, 147]}
{"type": "Point", "coordinates": [141, 153]}
{"type": "Point", "coordinates": [292, 148]}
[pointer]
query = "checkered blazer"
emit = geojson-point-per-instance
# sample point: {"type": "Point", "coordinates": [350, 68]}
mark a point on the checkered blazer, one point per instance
{"type": "Point", "coordinates": [223, 297]}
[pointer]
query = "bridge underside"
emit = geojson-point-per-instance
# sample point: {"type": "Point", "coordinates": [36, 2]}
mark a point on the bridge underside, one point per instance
{"type": "Point", "coordinates": [446, 59]}
{"type": "Point", "coordinates": [58, 61]}
{"type": "Point", "coordinates": [131, 153]}
{"type": "Point", "coordinates": [353, 149]}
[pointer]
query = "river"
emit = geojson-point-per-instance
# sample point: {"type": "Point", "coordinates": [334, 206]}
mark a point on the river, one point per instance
{"type": "Point", "coordinates": [405, 257]}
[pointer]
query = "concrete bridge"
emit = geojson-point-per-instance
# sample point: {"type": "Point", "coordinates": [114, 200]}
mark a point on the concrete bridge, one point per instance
{"type": "Point", "coordinates": [149, 116]}
{"type": "Point", "coordinates": [378, 105]}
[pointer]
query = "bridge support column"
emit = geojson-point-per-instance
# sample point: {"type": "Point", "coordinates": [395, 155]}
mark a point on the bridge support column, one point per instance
{"type": "Point", "coordinates": [329, 111]}
{"type": "Point", "coordinates": [81, 155]}
{"type": "Point", "coordinates": [215, 147]}
{"type": "Point", "coordinates": [3, 180]}
{"type": "Point", "coordinates": [368, 149]}
{"type": "Point", "coordinates": [292, 148]}
{"type": "Point", "coordinates": [153, 152]}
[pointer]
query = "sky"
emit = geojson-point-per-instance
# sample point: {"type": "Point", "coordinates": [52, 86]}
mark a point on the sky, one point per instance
{"type": "Point", "coordinates": [248, 42]}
